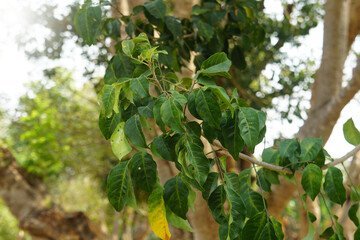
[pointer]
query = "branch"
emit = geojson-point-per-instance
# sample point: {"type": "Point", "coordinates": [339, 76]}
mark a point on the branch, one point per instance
{"type": "Point", "coordinates": [344, 158]}
{"type": "Point", "coordinates": [284, 169]}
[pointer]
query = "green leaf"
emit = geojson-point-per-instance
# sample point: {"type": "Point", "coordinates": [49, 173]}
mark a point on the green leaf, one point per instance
{"type": "Point", "coordinates": [354, 209]}
{"type": "Point", "coordinates": [87, 23]}
{"type": "Point", "coordinates": [333, 185]}
{"type": "Point", "coordinates": [289, 150]}
{"type": "Point", "coordinates": [157, 214]}
{"type": "Point", "coordinates": [196, 157]}
{"type": "Point", "coordinates": [270, 155]}
{"type": "Point", "coordinates": [177, 221]}
{"type": "Point", "coordinates": [327, 233]}
{"type": "Point", "coordinates": [311, 180]}
{"type": "Point", "coordinates": [119, 143]}
{"type": "Point", "coordinates": [164, 147]}
{"type": "Point", "coordinates": [134, 132]}
{"type": "Point", "coordinates": [351, 133]}
{"type": "Point", "coordinates": [278, 228]}
{"type": "Point", "coordinates": [128, 47]}
{"type": "Point", "coordinates": [254, 226]}
{"type": "Point", "coordinates": [205, 30]}
{"type": "Point", "coordinates": [237, 205]}
{"type": "Point", "coordinates": [120, 67]}
{"type": "Point", "coordinates": [192, 104]}
{"type": "Point", "coordinates": [210, 184]}
{"type": "Point", "coordinates": [176, 196]}
{"type": "Point", "coordinates": [107, 125]}
{"type": "Point", "coordinates": [262, 181]}
{"type": "Point", "coordinates": [268, 233]}
{"type": "Point", "coordinates": [156, 8]}
{"type": "Point", "coordinates": [143, 171]}
{"type": "Point", "coordinates": [310, 148]}
{"type": "Point", "coordinates": [217, 64]}
{"type": "Point", "coordinates": [117, 185]}
{"type": "Point", "coordinates": [222, 95]}
{"type": "Point", "coordinates": [171, 114]}
{"type": "Point", "coordinates": [147, 111]}
{"type": "Point", "coordinates": [108, 99]}
{"type": "Point", "coordinates": [253, 202]}
{"type": "Point", "coordinates": [157, 112]}
{"type": "Point", "coordinates": [216, 204]}
{"type": "Point", "coordinates": [249, 126]}
{"type": "Point", "coordinates": [238, 58]}
{"type": "Point", "coordinates": [140, 86]}
{"type": "Point", "coordinates": [357, 233]}
{"type": "Point", "coordinates": [354, 194]}
{"type": "Point", "coordinates": [174, 26]}
{"type": "Point", "coordinates": [208, 108]}
{"type": "Point", "coordinates": [231, 137]}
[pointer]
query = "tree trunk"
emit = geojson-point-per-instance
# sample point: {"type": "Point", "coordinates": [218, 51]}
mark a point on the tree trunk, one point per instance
{"type": "Point", "coordinates": [26, 198]}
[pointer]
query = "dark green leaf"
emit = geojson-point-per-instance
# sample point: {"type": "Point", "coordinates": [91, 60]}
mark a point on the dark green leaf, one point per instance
{"type": "Point", "coordinates": [249, 126]}
{"type": "Point", "coordinates": [310, 148]}
{"type": "Point", "coordinates": [174, 26]}
{"type": "Point", "coordinates": [156, 8]}
{"type": "Point", "coordinates": [289, 150]}
{"type": "Point", "coordinates": [254, 226]}
{"type": "Point", "coordinates": [217, 64]}
{"type": "Point", "coordinates": [143, 171]}
{"type": "Point", "coordinates": [107, 125]}
{"type": "Point", "coordinates": [311, 180]}
{"type": "Point", "coordinates": [311, 217]}
{"type": "Point", "coordinates": [216, 204]}
{"type": "Point", "coordinates": [157, 112]}
{"type": "Point", "coordinates": [253, 202]}
{"type": "Point", "coordinates": [108, 99]}
{"type": "Point", "coordinates": [357, 233]}
{"type": "Point", "coordinates": [333, 185]}
{"type": "Point", "coordinates": [120, 66]}
{"type": "Point", "coordinates": [172, 114]}
{"type": "Point", "coordinates": [164, 147]}
{"type": "Point", "coordinates": [192, 103]}
{"type": "Point", "coordinates": [87, 23]}
{"type": "Point", "coordinates": [208, 108]}
{"type": "Point", "coordinates": [354, 209]}
{"type": "Point", "coordinates": [327, 233]}
{"type": "Point", "coordinates": [278, 228]}
{"type": "Point", "coordinates": [140, 86]}
{"type": "Point", "coordinates": [351, 133]}
{"type": "Point", "coordinates": [238, 58]}
{"type": "Point", "coordinates": [262, 182]}
{"type": "Point", "coordinates": [196, 157]}
{"type": "Point", "coordinates": [193, 128]}
{"type": "Point", "coordinates": [268, 233]}
{"type": "Point", "coordinates": [147, 111]}
{"type": "Point", "coordinates": [231, 138]}
{"type": "Point", "coordinates": [210, 184]}
{"type": "Point", "coordinates": [205, 30]}
{"type": "Point", "coordinates": [134, 133]}
{"type": "Point", "coordinates": [117, 185]}
{"type": "Point", "coordinates": [210, 133]}
{"type": "Point", "coordinates": [176, 196]}
{"type": "Point", "coordinates": [270, 155]}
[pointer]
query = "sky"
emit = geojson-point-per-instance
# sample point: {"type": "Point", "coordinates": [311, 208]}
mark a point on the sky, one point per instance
{"type": "Point", "coordinates": [16, 70]}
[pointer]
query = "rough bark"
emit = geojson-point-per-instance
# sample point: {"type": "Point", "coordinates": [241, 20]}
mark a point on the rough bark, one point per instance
{"type": "Point", "coordinates": [26, 198]}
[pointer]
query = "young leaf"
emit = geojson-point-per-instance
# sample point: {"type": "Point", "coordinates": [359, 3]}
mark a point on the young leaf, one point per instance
{"type": "Point", "coordinates": [108, 99]}
{"type": "Point", "coordinates": [156, 8]}
{"type": "Point", "coordinates": [351, 133]}
{"type": "Point", "coordinates": [107, 125]}
{"type": "Point", "coordinates": [134, 132]}
{"type": "Point", "coordinates": [117, 185]}
{"type": "Point", "coordinates": [311, 180]}
{"type": "Point", "coordinates": [354, 209]}
{"type": "Point", "coordinates": [176, 196]}
{"type": "Point", "coordinates": [208, 108]}
{"type": "Point", "coordinates": [249, 126]}
{"type": "Point", "coordinates": [87, 23]}
{"type": "Point", "coordinates": [119, 143]}
{"type": "Point", "coordinates": [171, 114]}
{"type": "Point", "coordinates": [310, 148]}
{"type": "Point", "coordinates": [217, 64]}
{"type": "Point", "coordinates": [128, 47]}
{"type": "Point", "coordinates": [143, 171]}
{"type": "Point", "coordinates": [333, 185]}
{"type": "Point", "coordinates": [157, 214]}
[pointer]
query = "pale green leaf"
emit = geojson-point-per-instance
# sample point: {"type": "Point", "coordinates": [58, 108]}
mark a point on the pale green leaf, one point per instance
{"type": "Point", "coordinates": [119, 143]}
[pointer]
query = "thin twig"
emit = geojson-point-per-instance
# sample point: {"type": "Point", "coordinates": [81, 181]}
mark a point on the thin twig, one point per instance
{"type": "Point", "coordinates": [344, 158]}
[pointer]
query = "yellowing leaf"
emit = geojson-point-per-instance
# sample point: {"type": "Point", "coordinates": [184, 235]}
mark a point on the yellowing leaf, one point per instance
{"type": "Point", "coordinates": [157, 214]}
{"type": "Point", "coordinates": [119, 142]}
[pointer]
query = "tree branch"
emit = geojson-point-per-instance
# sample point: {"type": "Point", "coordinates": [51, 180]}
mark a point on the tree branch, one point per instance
{"type": "Point", "coordinates": [284, 169]}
